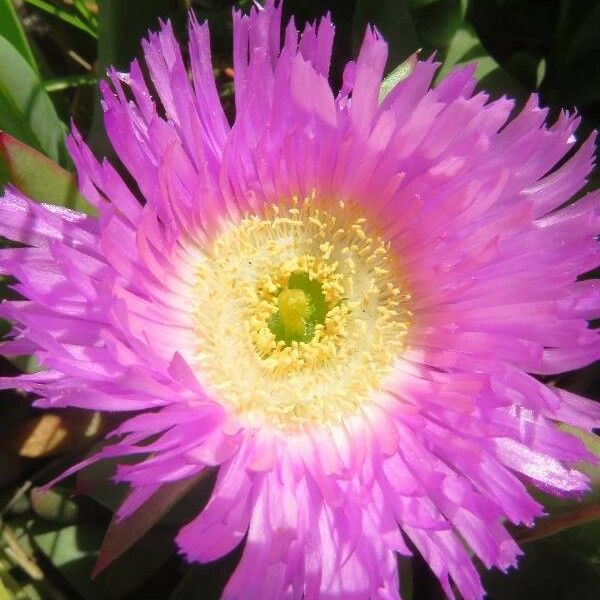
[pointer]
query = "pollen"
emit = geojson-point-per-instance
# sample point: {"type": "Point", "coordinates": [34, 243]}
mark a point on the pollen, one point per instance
{"type": "Point", "coordinates": [301, 312]}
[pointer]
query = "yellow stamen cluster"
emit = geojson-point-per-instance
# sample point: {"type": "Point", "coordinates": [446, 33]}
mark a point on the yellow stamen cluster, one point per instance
{"type": "Point", "coordinates": [242, 282]}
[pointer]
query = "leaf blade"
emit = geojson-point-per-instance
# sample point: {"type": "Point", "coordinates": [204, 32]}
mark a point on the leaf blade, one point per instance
{"type": "Point", "coordinates": [38, 177]}
{"type": "Point", "coordinates": [12, 30]}
{"type": "Point", "coordinates": [63, 15]}
{"type": "Point", "coordinates": [121, 535]}
{"type": "Point", "coordinates": [393, 20]}
{"type": "Point", "coordinates": [26, 111]}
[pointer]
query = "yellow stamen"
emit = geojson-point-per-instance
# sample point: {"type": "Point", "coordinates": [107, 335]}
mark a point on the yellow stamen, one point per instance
{"type": "Point", "coordinates": [260, 278]}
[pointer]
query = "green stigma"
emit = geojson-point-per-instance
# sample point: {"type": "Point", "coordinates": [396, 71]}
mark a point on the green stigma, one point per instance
{"type": "Point", "coordinates": [301, 307]}
{"type": "Point", "coordinates": [293, 311]}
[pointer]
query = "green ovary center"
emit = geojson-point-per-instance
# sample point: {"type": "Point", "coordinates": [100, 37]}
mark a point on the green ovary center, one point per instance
{"type": "Point", "coordinates": [301, 307]}
{"type": "Point", "coordinates": [293, 311]}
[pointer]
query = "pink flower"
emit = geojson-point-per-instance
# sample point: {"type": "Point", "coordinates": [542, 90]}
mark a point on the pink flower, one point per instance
{"type": "Point", "coordinates": [339, 301]}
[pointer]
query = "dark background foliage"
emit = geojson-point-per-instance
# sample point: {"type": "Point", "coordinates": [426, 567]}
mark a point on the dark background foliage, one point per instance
{"type": "Point", "coordinates": [52, 53]}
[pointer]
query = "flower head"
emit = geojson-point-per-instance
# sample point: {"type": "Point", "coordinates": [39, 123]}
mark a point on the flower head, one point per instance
{"type": "Point", "coordinates": [338, 300]}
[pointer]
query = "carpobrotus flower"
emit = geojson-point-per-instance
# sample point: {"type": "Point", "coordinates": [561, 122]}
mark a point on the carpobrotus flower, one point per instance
{"type": "Point", "coordinates": [337, 300]}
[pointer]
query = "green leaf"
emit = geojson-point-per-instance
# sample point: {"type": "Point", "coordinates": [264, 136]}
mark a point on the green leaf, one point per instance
{"type": "Point", "coordinates": [26, 111]}
{"type": "Point", "coordinates": [528, 69]}
{"type": "Point", "coordinates": [557, 522]}
{"type": "Point", "coordinates": [405, 573]}
{"type": "Point", "coordinates": [37, 176]}
{"type": "Point", "coordinates": [121, 535]}
{"type": "Point", "coordinates": [26, 363]}
{"type": "Point", "coordinates": [569, 512]}
{"type": "Point", "coordinates": [54, 505]}
{"type": "Point", "coordinates": [15, 590]}
{"type": "Point", "coordinates": [11, 467]}
{"type": "Point", "coordinates": [11, 29]}
{"type": "Point", "coordinates": [402, 71]}
{"type": "Point", "coordinates": [563, 506]}
{"type": "Point", "coordinates": [63, 83]}
{"type": "Point", "coordinates": [134, 567]}
{"type": "Point", "coordinates": [63, 15]}
{"type": "Point", "coordinates": [188, 586]}
{"type": "Point", "coordinates": [465, 47]}
{"type": "Point", "coordinates": [28, 591]}
{"type": "Point", "coordinates": [549, 570]}
{"type": "Point", "coordinates": [438, 22]}
{"type": "Point", "coordinates": [393, 20]}
{"type": "Point", "coordinates": [71, 549]}
{"type": "Point", "coordinates": [416, 4]}
{"type": "Point", "coordinates": [82, 8]}
{"type": "Point", "coordinates": [121, 26]}
{"type": "Point", "coordinates": [585, 41]}
{"type": "Point", "coordinates": [585, 539]}
{"type": "Point", "coordinates": [3, 592]}
{"type": "Point", "coordinates": [96, 481]}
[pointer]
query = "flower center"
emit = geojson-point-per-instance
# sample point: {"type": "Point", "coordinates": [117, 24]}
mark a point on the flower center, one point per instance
{"type": "Point", "coordinates": [291, 320]}
{"type": "Point", "coordinates": [300, 314]}
{"type": "Point", "coordinates": [301, 307]}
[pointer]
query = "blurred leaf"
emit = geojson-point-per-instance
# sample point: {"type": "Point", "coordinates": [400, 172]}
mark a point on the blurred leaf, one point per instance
{"type": "Point", "coordinates": [190, 504]}
{"type": "Point", "coordinates": [528, 69]}
{"type": "Point", "coordinates": [415, 4]}
{"type": "Point", "coordinates": [466, 47]}
{"type": "Point", "coordinates": [3, 593]}
{"type": "Point", "coordinates": [402, 71]}
{"type": "Point", "coordinates": [438, 22]}
{"type": "Point", "coordinates": [96, 482]}
{"type": "Point", "coordinates": [549, 570]}
{"type": "Point", "coordinates": [405, 574]}
{"type": "Point", "coordinates": [585, 43]}
{"type": "Point", "coordinates": [145, 554]}
{"type": "Point", "coordinates": [63, 83]}
{"type": "Point", "coordinates": [570, 511]}
{"type": "Point", "coordinates": [126, 574]}
{"type": "Point", "coordinates": [11, 29]}
{"type": "Point", "coordinates": [14, 503]}
{"type": "Point", "coordinates": [13, 587]}
{"type": "Point", "coordinates": [17, 591]}
{"type": "Point", "coordinates": [38, 177]}
{"type": "Point", "coordinates": [393, 20]}
{"type": "Point", "coordinates": [54, 505]}
{"type": "Point", "coordinates": [585, 539]}
{"type": "Point", "coordinates": [26, 111]}
{"type": "Point", "coordinates": [81, 6]}
{"type": "Point", "coordinates": [63, 15]}
{"type": "Point", "coordinates": [553, 524]}
{"type": "Point", "coordinates": [11, 467]}
{"type": "Point", "coordinates": [51, 434]}
{"type": "Point", "coordinates": [195, 578]}
{"type": "Point", "coordinates": [121, 26]}
{"type": "Point", "coordinates": [27, 363]}
{"type": "Point", "coordinates": [121, 535]}
{"type": "Point", "coordinates": [189, 584]}
{"type": "Point", "coordinates": [71, 549]}
{"type": "Point", "coordinates": [592, 442]}
{"type": "Point", "coordinates": [576, 72]}
{"type": "Point", "coordinates": [540, 73]}
{"type": "Point", "coordinates": [210, 578]}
